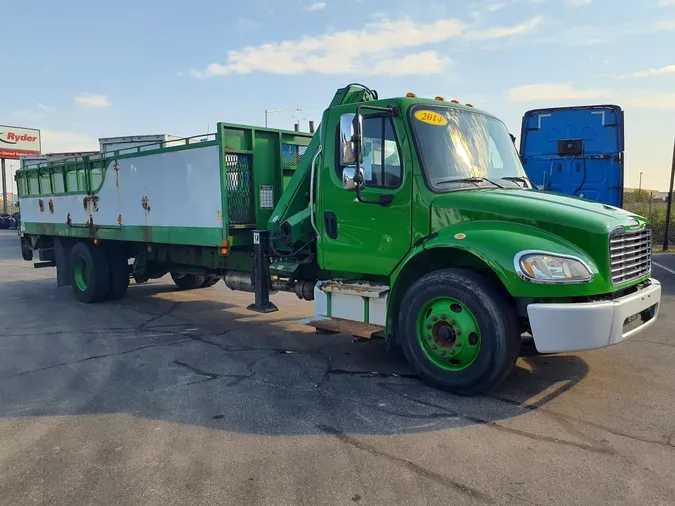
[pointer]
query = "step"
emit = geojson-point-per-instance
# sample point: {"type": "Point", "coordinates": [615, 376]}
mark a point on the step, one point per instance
{"type": "Point", "coordinates": [358, 288]}
{"type": "Point", "coordinates": [340, 326]}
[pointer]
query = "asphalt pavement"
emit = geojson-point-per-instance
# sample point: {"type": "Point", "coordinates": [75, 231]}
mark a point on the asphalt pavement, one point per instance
{"type": "Point", "coordinates": [174, 397]}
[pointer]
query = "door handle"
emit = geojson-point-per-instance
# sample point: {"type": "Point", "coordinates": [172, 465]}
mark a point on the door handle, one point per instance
{"type": "Point", "coordinates": [330, 224]}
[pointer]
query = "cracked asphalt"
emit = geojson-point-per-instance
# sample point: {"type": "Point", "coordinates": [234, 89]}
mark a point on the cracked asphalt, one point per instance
{"type": "Point", "coordinates": [187, 398]}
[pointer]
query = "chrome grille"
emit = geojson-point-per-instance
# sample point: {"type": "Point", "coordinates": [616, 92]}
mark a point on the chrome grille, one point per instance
{"type": "Point", "coordinates": [630, 255]}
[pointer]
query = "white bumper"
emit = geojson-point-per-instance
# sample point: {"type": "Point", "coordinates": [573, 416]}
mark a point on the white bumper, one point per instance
{"type": "Point", "coordinates": [590, 325]}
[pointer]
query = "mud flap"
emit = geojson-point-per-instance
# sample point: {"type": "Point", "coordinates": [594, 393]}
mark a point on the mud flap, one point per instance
{"type": "Point", "coordinates": [26, 248]}
{"type": "Point", "coordinates": [62, 249]}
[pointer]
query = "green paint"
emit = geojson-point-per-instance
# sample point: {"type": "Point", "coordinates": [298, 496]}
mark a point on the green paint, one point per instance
{"type": "Point", "coordinates": [366, 309]}
{"type": "Point", "coordinates": [329, 304]}
{"type": "Point", "coordinates": [80, 274]}
{"type": "Point", "coordinates": [193, 236]}
{"type": "Point", "coordinates": [448, 333]}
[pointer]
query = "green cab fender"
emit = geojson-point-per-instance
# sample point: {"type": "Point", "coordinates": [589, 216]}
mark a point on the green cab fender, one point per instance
{"type": "Point", "coordinates": [491, 247]}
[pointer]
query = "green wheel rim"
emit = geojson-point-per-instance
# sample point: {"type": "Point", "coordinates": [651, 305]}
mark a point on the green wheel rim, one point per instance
{"type": "Point", "coordinates": [448, 333]}
{"type": "Point", "coordinates": [80, 271]}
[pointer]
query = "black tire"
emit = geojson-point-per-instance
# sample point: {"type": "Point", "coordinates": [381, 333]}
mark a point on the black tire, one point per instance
{"type": "Point", "coordinates": [210, 280]}
{"type": "Point", "coordinates": [187, 281]}
{"type": "Point", "coordinates": [496, 319]}
{"type": "Point", "coordinates": [90, 272]}
{"type": "Point", "coordinates": [119, 272]}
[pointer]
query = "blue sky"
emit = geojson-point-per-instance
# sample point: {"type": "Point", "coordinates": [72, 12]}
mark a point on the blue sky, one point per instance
{"type": "Point", "coordinates": [82, 70]}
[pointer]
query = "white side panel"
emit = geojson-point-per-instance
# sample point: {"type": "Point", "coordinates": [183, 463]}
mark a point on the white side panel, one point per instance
{"type": "Point", "coordinates": [320, 302]}
{"type": "Point", "coordinates": [182, 187]}
{"type": "Point", "coordinates": [347, 307]}
{"type": "Point", "coordinates": [377, 312]}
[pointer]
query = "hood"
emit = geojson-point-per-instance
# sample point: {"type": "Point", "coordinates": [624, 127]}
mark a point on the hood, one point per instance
{"type": "Point", "coordinates": [549, 211]}
{"type": "Point", "coordinates": [582, 223]}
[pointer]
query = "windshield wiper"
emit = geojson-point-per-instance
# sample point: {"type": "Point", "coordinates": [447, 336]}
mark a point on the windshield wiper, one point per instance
{"type": "Point", "coordinates": [474, 180]}
{"type": "Point", "coordinates": [521, 179]}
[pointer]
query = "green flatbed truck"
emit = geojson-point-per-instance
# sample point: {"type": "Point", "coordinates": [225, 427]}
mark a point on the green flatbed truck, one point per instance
{"type": "Point", "coordinates": [406, 218]}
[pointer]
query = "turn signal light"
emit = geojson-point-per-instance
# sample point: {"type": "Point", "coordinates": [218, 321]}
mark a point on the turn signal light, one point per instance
{"type": "Point", "coordinates": [96, 242]}
{"type": "Point", "coordinates": [224, 251]}
{"type": "Point", "coordinates": [410, 95]}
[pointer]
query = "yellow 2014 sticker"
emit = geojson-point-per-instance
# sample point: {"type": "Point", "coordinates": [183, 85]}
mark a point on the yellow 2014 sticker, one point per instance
{"type": "Point", "coordinates": [431, 118]}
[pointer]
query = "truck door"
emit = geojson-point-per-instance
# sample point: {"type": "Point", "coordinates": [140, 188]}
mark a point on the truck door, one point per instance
{"type": "Point", "coordinates": [367, 238]}
{"type": "Point", "coordinates": [575, 151]}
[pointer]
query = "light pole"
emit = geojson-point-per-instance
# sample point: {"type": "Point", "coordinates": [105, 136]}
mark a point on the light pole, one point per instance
{"type": "Point", "coordinates": [640, 185]}
{"type": "Point", "coordinates": [272, 111]}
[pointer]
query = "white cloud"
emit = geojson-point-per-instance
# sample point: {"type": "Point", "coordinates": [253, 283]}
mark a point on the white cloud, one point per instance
{"type": "Point", "coordinates": [579, 3]}
{"type": "Point", "coordinates": [555, 92]}
{"type": "Point", "coordinates": [668, 69]}
{"type": "Point", "coordinates": [316, 6]}
{"type": "Point", "coordinates": [45, 108]}
{"type": "Point", "coordinates": [92, 100]}
{"type": "Point", "coordinates": [57, 141]}
{"type": "Point", "coordinates": [666, 3]}
{"type": "Point", "coordinates": [664, 26]}
{"type": "Point", "coordinates": [500, 32]}
{"type": "Point", "coordinates": [427, 62]}
{"type": "Point", "coordinates": [368, 50]}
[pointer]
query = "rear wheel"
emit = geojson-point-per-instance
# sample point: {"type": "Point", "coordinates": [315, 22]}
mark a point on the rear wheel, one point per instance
{"type": "Point", "coordinates": [90, 273]}
{"type": "Point", "coordinates": [186, 281]}
{"type": "Point", "coordinates": [210, 280]}
{"type": "Point", "coordinates": [458, 331]}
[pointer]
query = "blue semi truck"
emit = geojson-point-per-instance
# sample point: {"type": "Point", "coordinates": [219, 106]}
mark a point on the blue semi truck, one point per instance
{"type": "Point", "coordinates": [576, 151]}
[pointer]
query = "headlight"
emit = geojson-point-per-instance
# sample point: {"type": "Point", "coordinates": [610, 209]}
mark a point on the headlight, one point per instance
{"type": "Point", "coordinates": [540, 267]}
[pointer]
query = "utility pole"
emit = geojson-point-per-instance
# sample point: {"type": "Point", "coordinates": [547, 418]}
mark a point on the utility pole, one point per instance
{"type": "Point", "coordinates": [669, 209]}
{"type": "Point", "coordinates": [640, 185]}
{"type": "Point", "coordinates": [272, 111]}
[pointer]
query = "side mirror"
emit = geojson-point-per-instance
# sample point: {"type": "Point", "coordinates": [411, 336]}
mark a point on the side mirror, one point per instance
{"type": "Point", "coordinates": [348, 182]}
{"type": "Point", "coordinates": [348, 139]}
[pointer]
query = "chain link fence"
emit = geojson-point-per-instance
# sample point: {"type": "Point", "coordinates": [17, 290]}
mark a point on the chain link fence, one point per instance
{"type": "Point", "coordinates": [644, 204]}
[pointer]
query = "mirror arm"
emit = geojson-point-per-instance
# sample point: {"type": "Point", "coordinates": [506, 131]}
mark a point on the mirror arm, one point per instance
{"type": "Point", "coordinates": [384, 199]}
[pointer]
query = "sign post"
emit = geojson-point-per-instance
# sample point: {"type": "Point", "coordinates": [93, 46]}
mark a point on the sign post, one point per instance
{"type": "Point", "coordinates": [16, 142]}
{"type": "Point", "coordinates": [4, 186]}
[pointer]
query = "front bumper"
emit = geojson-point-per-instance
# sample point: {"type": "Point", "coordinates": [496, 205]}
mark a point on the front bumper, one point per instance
{"type": "Point", "coordinates": [583, 326]}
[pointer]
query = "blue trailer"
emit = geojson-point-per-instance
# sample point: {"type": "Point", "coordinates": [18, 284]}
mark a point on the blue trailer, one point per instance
{"type": "Point", "coordinates": [576, 151]}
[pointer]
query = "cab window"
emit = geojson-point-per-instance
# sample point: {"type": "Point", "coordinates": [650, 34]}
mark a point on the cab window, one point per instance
{"type": "Point", "coordinates": [381, 155]}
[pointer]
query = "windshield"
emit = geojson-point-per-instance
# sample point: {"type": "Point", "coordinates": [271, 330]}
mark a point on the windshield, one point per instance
{"type": "Point", "coordinates": [458, 144]}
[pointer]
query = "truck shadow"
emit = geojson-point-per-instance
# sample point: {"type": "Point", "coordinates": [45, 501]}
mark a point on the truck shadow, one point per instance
{"type": "Point", "coordinates": [190, 358]}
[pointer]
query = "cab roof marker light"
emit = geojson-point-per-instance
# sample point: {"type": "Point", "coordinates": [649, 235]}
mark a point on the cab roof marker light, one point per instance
{"type": "Point", "coordinates": [410, 95]}
{"type": "Point", "coordinates": [454, 101]}
{"type": "Point", "coordinates": [439, 98]}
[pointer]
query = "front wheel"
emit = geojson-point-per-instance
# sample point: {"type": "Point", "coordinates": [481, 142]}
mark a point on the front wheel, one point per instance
{"type": "Point", "coordinates": [458, 331]}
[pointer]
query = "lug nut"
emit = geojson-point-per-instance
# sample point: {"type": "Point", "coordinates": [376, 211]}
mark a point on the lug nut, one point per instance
{"type": "Point", "coordinates": [458, 333]}
{"type": "Point", "coordinates": [428, 325]}
{"type": "Point", "coordinates": [453, 321]}
{"type": "Point", "coordinates": [434, 318]}
{"type": "Point", "coordinates": [442, 354]}
{"type": "Point", "coordinates": [443, 317]}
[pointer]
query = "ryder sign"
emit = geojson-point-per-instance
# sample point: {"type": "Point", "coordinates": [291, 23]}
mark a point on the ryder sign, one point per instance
{"type": "Point", "coordinates": [18, 141]}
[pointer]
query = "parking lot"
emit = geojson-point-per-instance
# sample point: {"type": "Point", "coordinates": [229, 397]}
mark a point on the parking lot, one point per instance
{"type": "Point", "coordinates": [187, 398]}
